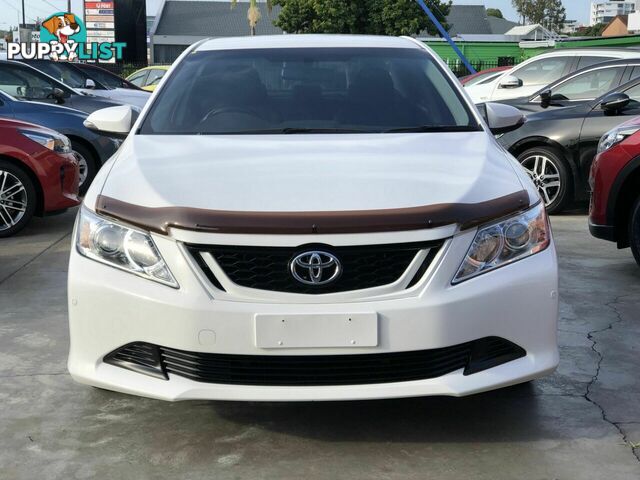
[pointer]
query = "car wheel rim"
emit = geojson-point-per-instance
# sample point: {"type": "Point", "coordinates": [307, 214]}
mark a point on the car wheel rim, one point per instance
{"type": "Point", "coordinates": [545, 176]}
{"type": "Point", "coordinates": [83, 167]}
{"type": "Point", "coordinates": [13, 200]}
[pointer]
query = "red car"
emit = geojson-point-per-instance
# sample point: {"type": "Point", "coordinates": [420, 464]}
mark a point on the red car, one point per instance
{"type": "Point", "coordinates": [38, 174]}
{"type": "Point", "coordinates": [614, 212]}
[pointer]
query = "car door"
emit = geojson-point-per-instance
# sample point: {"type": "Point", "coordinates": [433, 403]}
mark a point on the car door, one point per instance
{"type": "Point", "coordinates": [6, 110]}
{"type": "Point", "coordinates": [598, 122]}
{"type": "Point", "coordinates": [533, 76]}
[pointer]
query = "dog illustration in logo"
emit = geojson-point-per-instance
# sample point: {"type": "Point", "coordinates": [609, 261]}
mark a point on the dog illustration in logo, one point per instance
{"type": "Point", "coordinates": [62, 27]}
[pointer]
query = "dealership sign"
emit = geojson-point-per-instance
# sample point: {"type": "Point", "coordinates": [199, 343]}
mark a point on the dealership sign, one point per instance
{"type": "Point", "coordinates": [64, 36]}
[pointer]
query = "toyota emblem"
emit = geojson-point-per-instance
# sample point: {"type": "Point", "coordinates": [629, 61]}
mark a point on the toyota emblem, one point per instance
{"type": "Point", "coordinates": [315, 268]}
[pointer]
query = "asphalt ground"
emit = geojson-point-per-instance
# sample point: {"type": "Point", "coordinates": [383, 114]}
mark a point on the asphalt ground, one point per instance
{"type": "Point", "coordinates": [583, 422]}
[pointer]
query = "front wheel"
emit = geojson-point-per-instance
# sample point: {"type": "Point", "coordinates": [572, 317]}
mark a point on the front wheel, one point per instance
{"type": "Point", "coordinates": [17, 199]}
{"type": "Point", "coordinates": [634, 230]}
{"type": "Point", "coordinates": [550, 175]}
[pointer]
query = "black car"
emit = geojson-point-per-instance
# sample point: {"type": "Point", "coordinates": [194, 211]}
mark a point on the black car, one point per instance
{"type": "Point", "coordinates": [580, 87]}
{"type": "Point", "coordinates": [90, 148]}
{"type": "Point", "coordinates": [105, 77]}
{"type": "Point", "coordinates": [27, 83]}
{"type": "Point", "coordinates": [557, 146]}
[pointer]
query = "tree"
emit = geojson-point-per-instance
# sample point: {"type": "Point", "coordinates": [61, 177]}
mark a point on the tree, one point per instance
{"type": "Point", "coordinates": [592, 31]}
{"type": "Point", "coordinates": [494, 12]}
{"type": "Point", "coordinates": [253, 13]}
{"type": "Point", "coordinates": [549, 13]}
{"type": "Point", "coordinates": [374, 17]}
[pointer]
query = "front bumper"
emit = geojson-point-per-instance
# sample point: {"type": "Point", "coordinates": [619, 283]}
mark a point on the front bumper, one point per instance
{"type": "Point", "coordinates": [109, 308]}
{"type": "Point", "coordinates": [603, 232]}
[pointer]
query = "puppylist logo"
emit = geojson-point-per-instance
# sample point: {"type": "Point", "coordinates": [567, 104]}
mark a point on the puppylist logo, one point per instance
{"type": "Point", "coordinates": [63, 36]}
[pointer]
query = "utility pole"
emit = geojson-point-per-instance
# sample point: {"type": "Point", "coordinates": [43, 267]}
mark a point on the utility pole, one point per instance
{"type": "Point", "coordinates": [24, 23]}
{"type": "Point", "coordinates": [68, 5]}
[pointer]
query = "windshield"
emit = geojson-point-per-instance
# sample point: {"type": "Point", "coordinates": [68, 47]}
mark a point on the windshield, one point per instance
{"type": "Point", "coordinates": [105, 78]}
{"type": "Point", "coordinates": [308, 90]}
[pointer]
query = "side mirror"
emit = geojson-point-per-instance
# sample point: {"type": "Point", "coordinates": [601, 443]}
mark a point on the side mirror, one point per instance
{"type": "Point", "coordinates": [112, 121]}
{"type": "Point", "coordinates": [89, 83]}
{"type": "Point", "coordinates": [545, 98]}
{"type": "Point", "coordinates": [510, 81]}
{"type": "Point", "coordinates": [502, 118]}
{"type": "Point", "coordinates": [58, 95]}
{"type": "Point", "coordinates": [614, 102]}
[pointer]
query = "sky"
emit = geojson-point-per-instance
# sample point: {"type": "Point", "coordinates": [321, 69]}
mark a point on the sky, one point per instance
{"type": "Point", "coordinates": [10, 9]}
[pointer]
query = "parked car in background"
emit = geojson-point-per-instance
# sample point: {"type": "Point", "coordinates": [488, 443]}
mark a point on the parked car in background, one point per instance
{"type": "Point", "coordinates": [614, 211]}
{"type": "Point", "coordinates": [80, 80]}
{"type": "Point", "coordinates": [580, 87]}
{"type": "Point", "coordinates": [355, 234]}
{"type": "Point", "coordinates": [105, 77]}
{"type": "Point", "coordinates": [38, 174]}
{"type": "Point", "coordinates": [557, 146]}
{"type": "Point", "coordinates": [148, 78]}
{"type": "Point", "coordinates": [483, 75]}
{"type": "Point", "coordinates": [91, 149]}
{"type": "Point", "coordinates": [537, 72]}
{"type": "Point", "coordinates": [27, 83]}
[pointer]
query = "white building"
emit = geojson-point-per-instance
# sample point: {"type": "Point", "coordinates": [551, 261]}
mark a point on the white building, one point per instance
{"type": "Point", "coordinates": [604, 12]}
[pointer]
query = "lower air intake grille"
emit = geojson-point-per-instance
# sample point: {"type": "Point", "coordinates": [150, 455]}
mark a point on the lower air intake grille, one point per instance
{"type": "Point", "coordinates": [303, 370]}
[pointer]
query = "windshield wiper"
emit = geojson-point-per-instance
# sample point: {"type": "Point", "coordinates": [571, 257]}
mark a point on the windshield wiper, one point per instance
{"type": "Point", "coordinates": [433, 128]}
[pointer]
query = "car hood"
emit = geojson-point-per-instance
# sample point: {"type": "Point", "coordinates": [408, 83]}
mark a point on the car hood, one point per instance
{"type": "Point", "coordinates": [310, 173]}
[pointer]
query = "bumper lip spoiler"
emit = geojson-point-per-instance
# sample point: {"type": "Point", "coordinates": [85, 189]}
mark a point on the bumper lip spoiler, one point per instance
{"type": "Point", "coordinates": [603, 232]}
{"type": "Point", "coordinates": [161, 219]}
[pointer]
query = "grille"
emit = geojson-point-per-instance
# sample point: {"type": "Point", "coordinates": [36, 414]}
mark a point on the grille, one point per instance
{"type": "Point", "coordinates": [268, 268]}
{"type": "Point", "coordinates": [302, 370]}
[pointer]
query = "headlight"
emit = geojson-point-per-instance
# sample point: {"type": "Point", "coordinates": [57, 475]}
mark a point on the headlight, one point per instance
{"type": "Point", "coordinates": [122, 247]}
{"type": "Point", "coordinates": [615, 136]}
{"type": "Point", "coordinates": [505, 242]}
{"type": "Point", "coordinates": [53, 141]}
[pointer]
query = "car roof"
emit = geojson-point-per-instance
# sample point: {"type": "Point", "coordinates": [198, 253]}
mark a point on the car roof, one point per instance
{"type": "Point", "coordinates": [306, 41]}
{"type": "Point", "coordinates": [619, 52]}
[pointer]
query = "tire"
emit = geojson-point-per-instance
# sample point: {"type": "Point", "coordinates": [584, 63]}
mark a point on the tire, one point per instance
{"type": "Point", "coordinates": [551, 176]}
{"type": "Point", "coordinates": [18, 199]}
{"type": "Point", "coordinates": [634, 230]}
{"type": "Point", "coordinates": [87, 163]}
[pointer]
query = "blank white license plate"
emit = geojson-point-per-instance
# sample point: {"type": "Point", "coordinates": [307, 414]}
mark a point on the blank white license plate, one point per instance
{"type": "Point", "coordinates": [316, 330]}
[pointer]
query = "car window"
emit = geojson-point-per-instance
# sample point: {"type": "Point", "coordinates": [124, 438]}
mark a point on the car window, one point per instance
{"type": "Point", "coordinates": [105, 78]}
{"type": "Point", "coordinates": [24, 83]}
{"type": "Point", "coordinates": [634, 93]}
{"type": "Point", "coordinates": [60, 71]}
{"type": "Point", "coordinates": [155, 76]}
{"type": "Point", "coordinates": [139, 78]}
{"type": "Point", "coordinates": [350, 90]}
{"type": "Point", "coordinates": [587, 61]}
{"type": "Point", "coordinates": [588, 85]}
{"type": "Point", "coordinates": [543, 71]}
{"type": "Point", "coordinates": [635, 73]}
